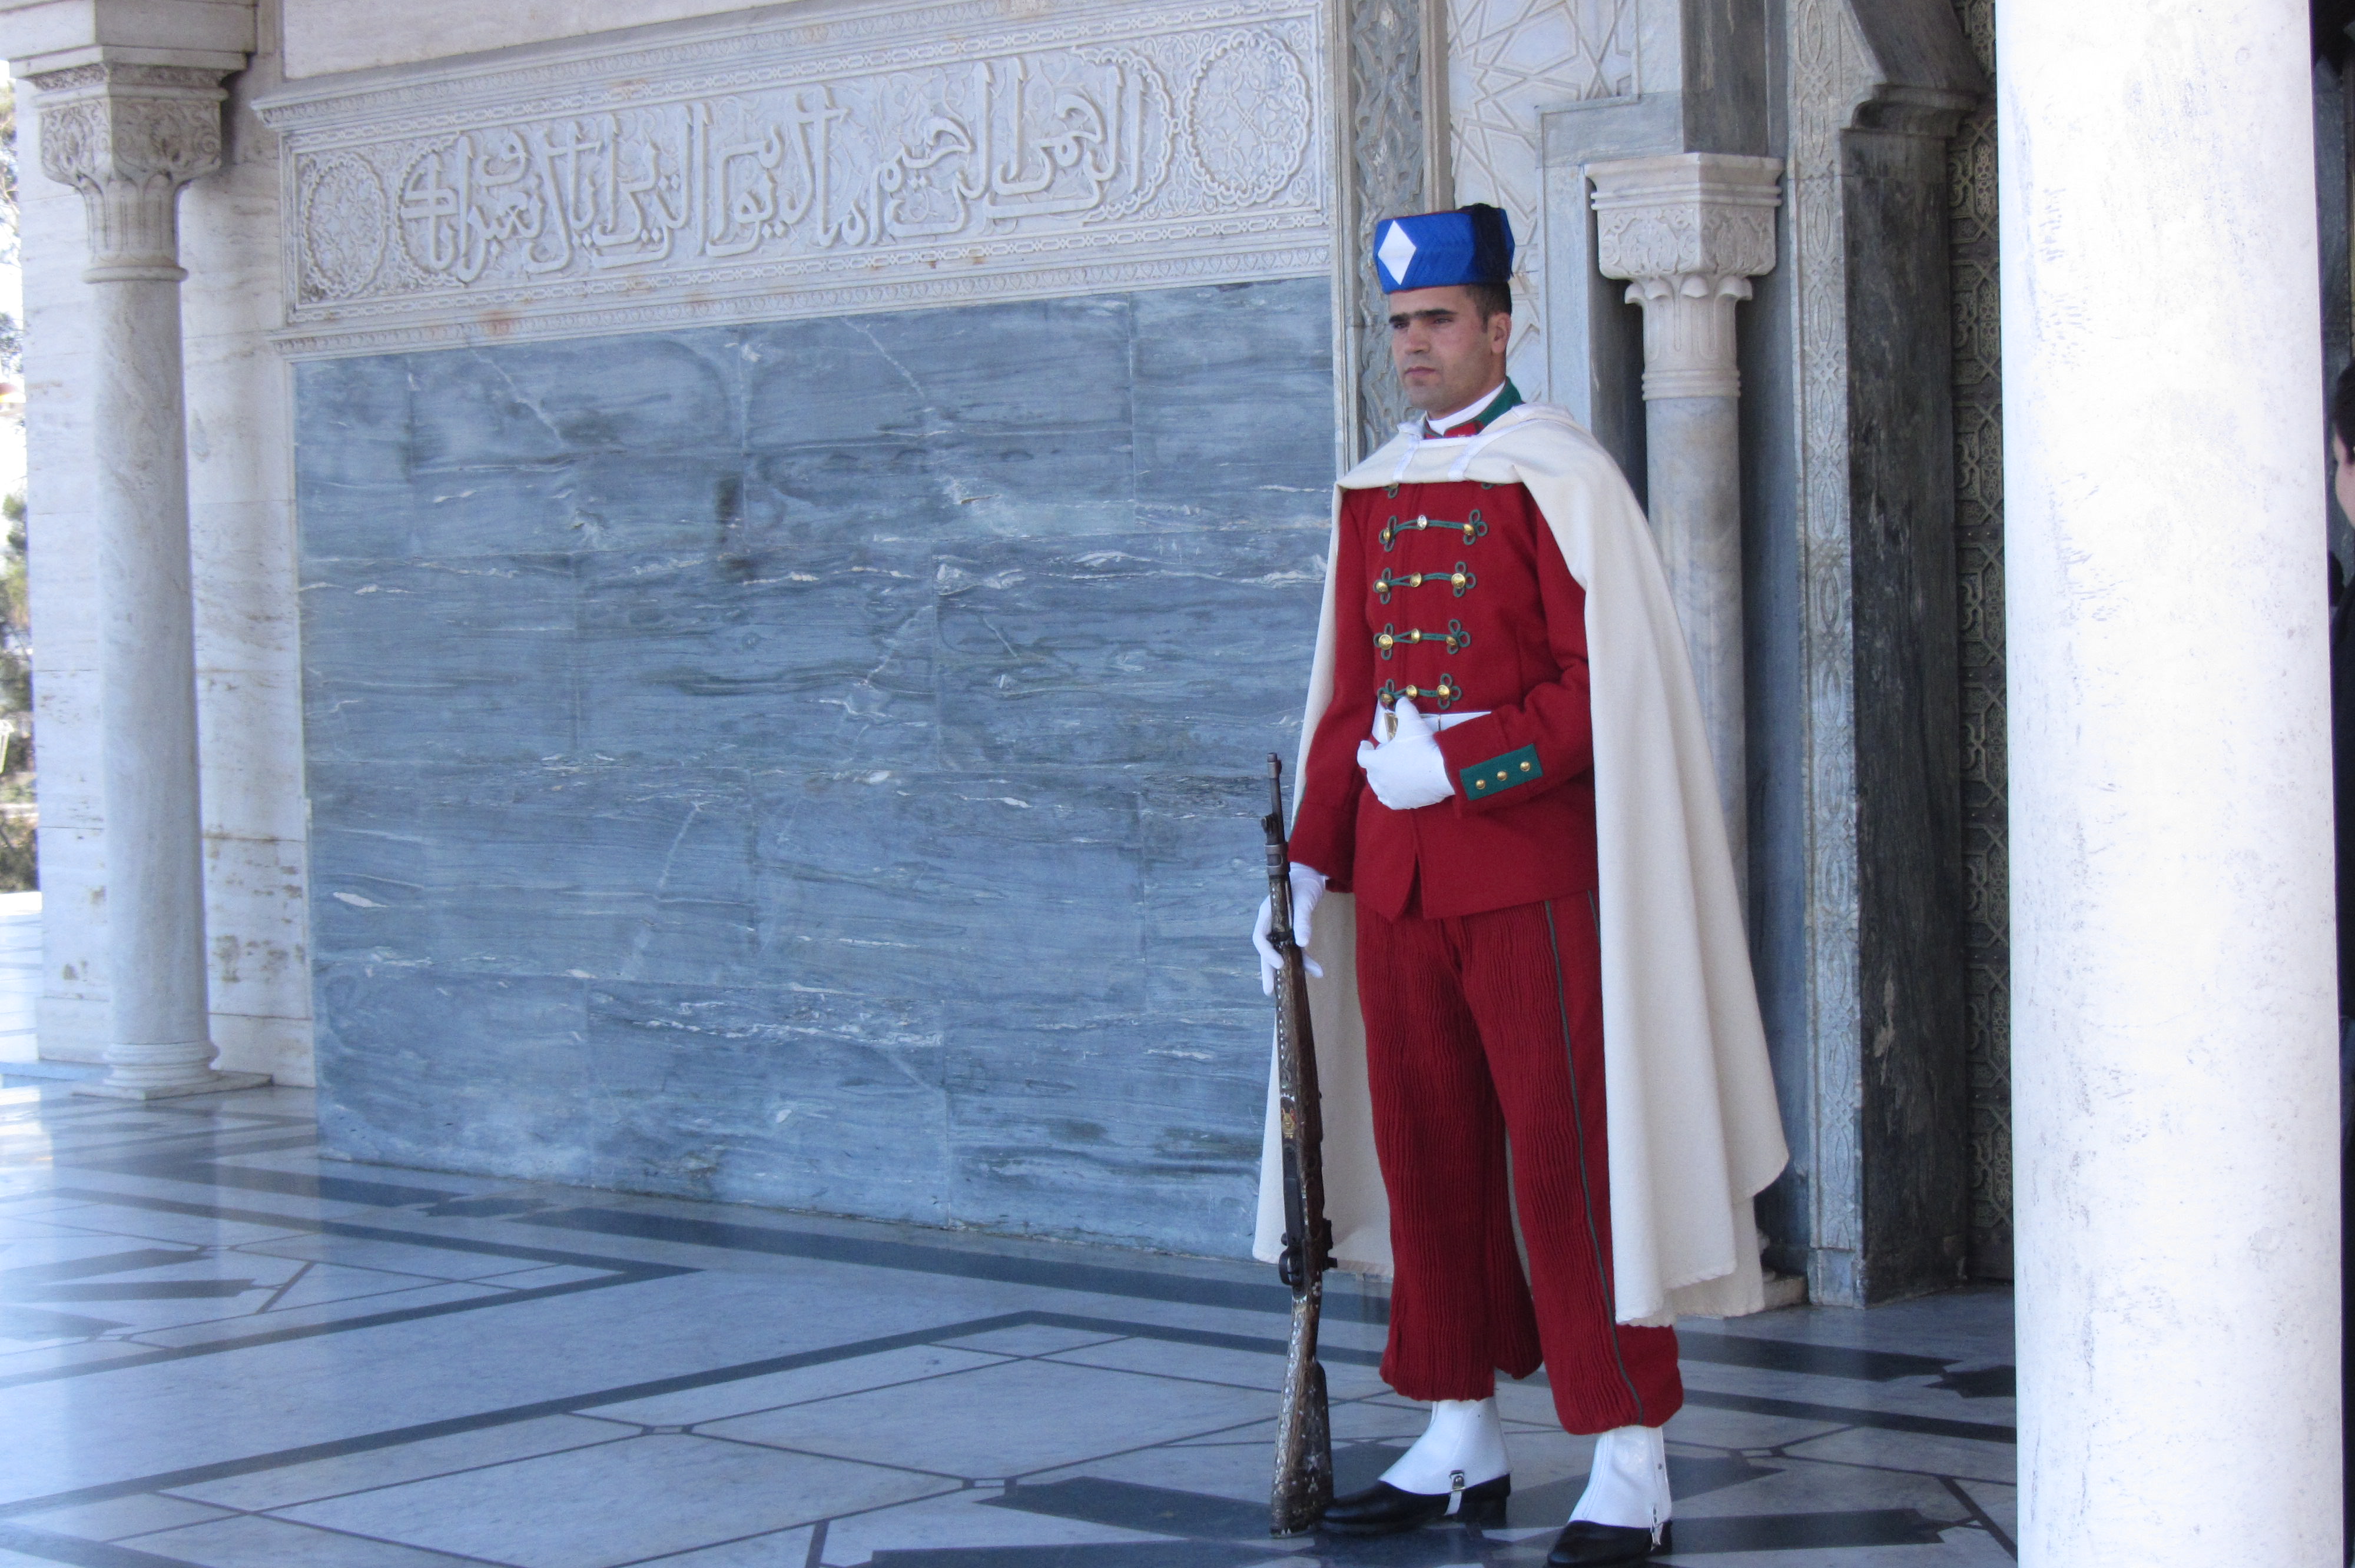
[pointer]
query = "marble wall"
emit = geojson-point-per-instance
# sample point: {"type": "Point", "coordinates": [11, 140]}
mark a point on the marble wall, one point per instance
{"type": "Point", "coordinates": [816, 764]}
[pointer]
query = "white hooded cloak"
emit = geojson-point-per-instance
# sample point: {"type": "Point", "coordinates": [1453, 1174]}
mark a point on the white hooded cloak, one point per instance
{"type": "Point", "coordinates": [1694, 1130]}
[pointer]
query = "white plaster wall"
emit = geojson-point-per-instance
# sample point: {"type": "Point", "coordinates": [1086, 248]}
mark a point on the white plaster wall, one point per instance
{"type": "Point", "coordinates": [247, 661]}
{"type": "Point", "coordinates": [326, 36]}
{"type": "Point", "coordinates": [62, 554]}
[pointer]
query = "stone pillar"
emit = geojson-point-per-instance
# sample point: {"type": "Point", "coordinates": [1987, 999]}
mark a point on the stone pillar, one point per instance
{"type": "Point", "coordinates": [1688, 231]}
{"type": "Point", "coordinates": [129, 136]}
{"type": "Point", "coordinates": [2174, 1103]}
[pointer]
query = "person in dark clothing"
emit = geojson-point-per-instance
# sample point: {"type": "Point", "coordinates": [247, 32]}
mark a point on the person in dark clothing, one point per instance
{"type": "Point", "coordinates": [2342, 766]}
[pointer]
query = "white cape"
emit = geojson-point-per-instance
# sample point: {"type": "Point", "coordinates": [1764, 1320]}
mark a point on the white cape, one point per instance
{"type": "Point", "coordinates": [1695, 1132]}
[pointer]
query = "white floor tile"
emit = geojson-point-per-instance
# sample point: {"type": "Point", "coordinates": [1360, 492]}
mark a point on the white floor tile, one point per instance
{"type": "Point", "coordinates": [140, 1514]}
{"type": "Point", "coordinates": [1243, 1368]}
{"type": "Point", "coordinates": [780, 1549]}
{"type": "Point", "coordinates": [850, 1439]}
{"type": "Point", "coordinates": [1005, 1420]}
{"type": "Point", "coordinates": [1915, 1451]}
{"type": "Point", "coordinates": [252, 1542]}
{"type": "Point", "coordinates": [771, 1390]}
{"type": "Point", "coordinates": [595, 1507]}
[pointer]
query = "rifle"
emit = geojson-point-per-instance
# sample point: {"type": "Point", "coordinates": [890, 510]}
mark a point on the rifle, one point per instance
{"type": "Point", "coordinates": [1303, 1435]}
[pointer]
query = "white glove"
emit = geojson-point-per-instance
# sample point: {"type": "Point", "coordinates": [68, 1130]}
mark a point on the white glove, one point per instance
{"type": "Point", "coordinates": [1407, 770]}
{"type": "Point", "coordinates": [1307, 887]}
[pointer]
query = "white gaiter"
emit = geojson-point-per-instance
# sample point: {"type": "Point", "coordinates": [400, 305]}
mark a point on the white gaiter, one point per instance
{"type": "Point", "coordinates": [1628, 1486]}
{"type": "Point", "coordinates": [1466, 1436]}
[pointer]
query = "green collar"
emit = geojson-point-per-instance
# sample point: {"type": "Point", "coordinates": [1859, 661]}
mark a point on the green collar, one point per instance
{"type": "Point", "coordinates": [1504, 401]}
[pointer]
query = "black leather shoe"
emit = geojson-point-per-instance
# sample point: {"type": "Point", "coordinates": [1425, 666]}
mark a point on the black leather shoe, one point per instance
{"type": "Point", "coordinates": [1585, 1545]}
{"type": "Point", "coordinates": [1383, 1510]}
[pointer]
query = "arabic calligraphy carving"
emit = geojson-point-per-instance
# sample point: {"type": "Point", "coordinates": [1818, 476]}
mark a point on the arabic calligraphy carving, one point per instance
{"type": "Point", "coordinates": [1183, 146]}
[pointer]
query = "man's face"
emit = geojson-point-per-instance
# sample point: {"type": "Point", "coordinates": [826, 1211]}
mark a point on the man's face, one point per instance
{"type": "Point", "coordinates": [1446, 356]}
{"type": "Point", "coordinates": [2342, 477]}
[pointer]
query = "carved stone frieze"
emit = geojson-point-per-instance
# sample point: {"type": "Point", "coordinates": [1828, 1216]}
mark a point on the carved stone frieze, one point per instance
{"type": "Point", "coordinates": [836, 161]}
{"type": "Point", "coordinates": [1979, 542]}
{"type": "Point", "coordinates": [1396, 131]}
{"type": "Point", "coordinates": [1875, 89]}
{"type": "Point", "coordinates": [128, 137]}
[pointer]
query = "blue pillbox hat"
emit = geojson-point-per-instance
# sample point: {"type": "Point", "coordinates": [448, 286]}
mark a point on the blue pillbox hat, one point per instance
{"type": "Point", "coordinates": [1438, 250]}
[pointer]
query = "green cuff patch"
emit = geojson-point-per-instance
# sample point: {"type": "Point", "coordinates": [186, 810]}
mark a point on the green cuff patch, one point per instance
{"type": "Point", "coordinates": [1499, 774]}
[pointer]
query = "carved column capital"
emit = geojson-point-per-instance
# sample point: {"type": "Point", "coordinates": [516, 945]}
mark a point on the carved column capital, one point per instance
{"type": "Point", "coordinates": [1688, 231]}
{"type": "Point", "coordinates": [129, 137]}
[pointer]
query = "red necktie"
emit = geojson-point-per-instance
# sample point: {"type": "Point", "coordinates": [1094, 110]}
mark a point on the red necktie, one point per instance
{"type": "Point", "coordinates": [1468, 427]}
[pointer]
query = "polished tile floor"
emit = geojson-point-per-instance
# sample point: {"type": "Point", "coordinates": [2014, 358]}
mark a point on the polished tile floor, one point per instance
{"type": "Point", "coordinates": [216, 1349]}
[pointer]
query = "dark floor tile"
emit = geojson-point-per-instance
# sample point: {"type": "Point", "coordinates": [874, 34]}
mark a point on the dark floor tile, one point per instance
{"type": "Point", "coordinates": [1791, 1355]}
{"type": "Point", "coordinates": [1983, 1383]}
{"type": "Point", "coordinates": [1807, 1531]}
{"type": "Point", "coordinates": [1124, 1554]}
{"type": "Point", "coordinates": [1128, 1505]}
{"type": "Point", "coordinates": [1693, 1477]}
{"type": "Point", "coordinates": [31, 1324]}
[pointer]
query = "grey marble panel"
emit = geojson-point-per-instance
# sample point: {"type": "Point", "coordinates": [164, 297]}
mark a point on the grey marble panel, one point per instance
{"type": "Point", "coordinates": [1169, 650]}
{"type": "Point", "coordinates": [1012, 887]}
{"type": "Point", "coordinates": [1133, 1129]}
{"type": "Point", "coordinates": [351, 457]}
{"type": "Point", "coordinates": [595, 501]}
{"type": "Point", "coordinates": [774, 1096]}
{"type": "Point", "coordinates": [351, 420]}
{"type": "Point", "coordinates": [1015, 416]}
{"type": "Point", "coordinates": [369, 856]}
{"type": "Point", "coordinates": [665, 394]}
{"type": "Point", "coordinates": [868, 714]}
{"type": "Point", "coordinates": [827, 381]}
{"type": "Point", "coordinates": [821, 654]}
{"type": "Point", "coordinates": [885, 489]}
{"type": "Point", "coordinates": [1025, 366]}
{"type": "Point", "coordinates": [602, 871]}
{"type": "Point", "coordinates": [456, 1072]}
{"type": "Point", "coordinates": [1204, 861]}
{"type": "Point", "coordinates": [1234, 405]}
{"type": "Point", "coordinates": [452, 515]}
{"type": "Point", "coordinates": [654, 501]}
{"type": "Point", "coordinates": [441, 659]}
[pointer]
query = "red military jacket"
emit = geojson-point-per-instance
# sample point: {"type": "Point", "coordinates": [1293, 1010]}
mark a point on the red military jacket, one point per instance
{"type": "Point", "coordinates": [1456, 595]}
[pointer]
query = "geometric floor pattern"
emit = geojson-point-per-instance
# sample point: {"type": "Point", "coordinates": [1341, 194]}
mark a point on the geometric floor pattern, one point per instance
{"type": "Point", "coordinates": [217, 1351]}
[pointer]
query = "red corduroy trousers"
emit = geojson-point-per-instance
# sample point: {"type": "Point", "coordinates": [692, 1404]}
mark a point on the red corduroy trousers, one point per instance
{"type": "Point", "coordinates": [1482, 1029]}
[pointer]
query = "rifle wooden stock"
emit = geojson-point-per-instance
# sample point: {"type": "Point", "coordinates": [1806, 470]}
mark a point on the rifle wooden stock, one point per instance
{"type": "Point", "coordinates": [1304, 1439]}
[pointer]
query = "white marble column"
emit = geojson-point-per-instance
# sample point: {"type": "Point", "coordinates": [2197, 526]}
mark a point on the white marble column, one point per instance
{"type": "Point", "coordinates": [2175, 1110]}
{"type": "Point", "coordinates": [129, 137]}
{"type": "Point", "coordinates": [1688, 231]}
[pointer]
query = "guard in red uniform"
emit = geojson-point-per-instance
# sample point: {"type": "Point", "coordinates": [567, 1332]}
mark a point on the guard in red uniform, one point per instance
{"type": "Point", "coordinates": [1450, 785]}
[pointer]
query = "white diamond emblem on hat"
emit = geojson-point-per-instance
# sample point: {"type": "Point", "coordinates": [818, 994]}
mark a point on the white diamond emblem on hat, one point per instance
{"type": "Point", "coordinates": [1396, 253]}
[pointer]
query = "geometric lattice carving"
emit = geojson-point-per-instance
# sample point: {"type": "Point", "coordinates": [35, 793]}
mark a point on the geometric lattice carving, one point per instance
{"type": "Point", "coordinates": [1978, 539]}
{"type": "Point", "coordinates": [1507, 61]}
{"type": "Point", "coordinates": [782, 167]}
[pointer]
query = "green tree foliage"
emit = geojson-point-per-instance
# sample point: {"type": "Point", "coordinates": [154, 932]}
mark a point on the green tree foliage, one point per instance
{"type": "Point", "coordinates": [18, 866]}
